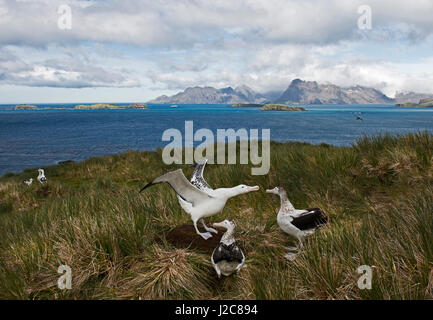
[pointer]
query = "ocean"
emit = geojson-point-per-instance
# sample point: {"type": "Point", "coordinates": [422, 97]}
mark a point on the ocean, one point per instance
{"type": "Point", "coordinates": [33, 139]}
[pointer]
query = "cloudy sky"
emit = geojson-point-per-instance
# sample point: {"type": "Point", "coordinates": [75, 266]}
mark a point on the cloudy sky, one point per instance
{"type": "Point", "coordinates": [133, 51]}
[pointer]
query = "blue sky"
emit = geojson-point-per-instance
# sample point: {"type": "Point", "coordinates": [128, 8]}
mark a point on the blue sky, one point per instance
{"type": "Point", "coordinates": [133, 51]}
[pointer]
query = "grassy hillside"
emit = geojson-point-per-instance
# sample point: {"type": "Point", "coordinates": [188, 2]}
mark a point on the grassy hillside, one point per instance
{"type": "Point", "coordinates": [378, 193]}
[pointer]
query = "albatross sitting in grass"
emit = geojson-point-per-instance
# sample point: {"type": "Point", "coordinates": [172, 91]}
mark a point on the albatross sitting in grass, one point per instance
{"type": "Point", "coordinates": [227, 257]}
{"type": "Point", "coordinates": [28, 182]}
{"type": "Point", "coordinates": [297, 223]}
{"type": "Point", "coordinates": [198, 203]}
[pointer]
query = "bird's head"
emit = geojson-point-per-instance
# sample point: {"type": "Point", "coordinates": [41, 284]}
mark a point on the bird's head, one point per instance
{"type": "Point", "coordinates": [226, 224]}
{"type": "Point", "coordinates": [241, 189]}
{"type": "Point", "coordinates": [41, 171]}
{"type": "Point", "coordinates": [276, 190]}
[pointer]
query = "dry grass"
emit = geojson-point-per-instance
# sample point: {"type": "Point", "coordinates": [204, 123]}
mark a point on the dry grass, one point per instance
{"type": "Point", "coordinates": [378, 193]}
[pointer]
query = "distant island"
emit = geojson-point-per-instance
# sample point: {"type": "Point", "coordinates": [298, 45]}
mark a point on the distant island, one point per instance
{"type": "Point", "coordinates": [25, 107]}
{"type": "Point", "coordinates": [269, 106]}
{"type": "Point", "coordinates": [427, 102]}
{"type": "Point", "coordinates": [99, 106]}
{"type": "Point", "coordinates": [281, 107]}
{"type": "Point", "coordinates": [251, 105]}
{"type": "Point", "coordinates": [409, 96]}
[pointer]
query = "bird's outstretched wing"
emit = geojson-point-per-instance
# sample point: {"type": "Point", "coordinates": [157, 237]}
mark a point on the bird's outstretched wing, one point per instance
{"type": "Point", "coordinates": [197, 178]}
{"type": "Point", "coordinates": [177, 180]}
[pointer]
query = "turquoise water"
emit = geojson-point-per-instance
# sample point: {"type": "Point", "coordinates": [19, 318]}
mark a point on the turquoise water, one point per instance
{"type": "Point", "coordinates": [39, 138]}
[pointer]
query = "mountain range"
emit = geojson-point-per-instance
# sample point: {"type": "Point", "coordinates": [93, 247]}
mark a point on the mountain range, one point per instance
{"type": "Point", "coordinates": [211, 95]}
{"type": "Point", "coordinates": [298, 92]}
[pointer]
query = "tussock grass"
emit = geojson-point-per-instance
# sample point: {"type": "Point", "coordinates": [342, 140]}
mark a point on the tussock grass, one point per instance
{"type": "Point", "coordinates": [378, 193]}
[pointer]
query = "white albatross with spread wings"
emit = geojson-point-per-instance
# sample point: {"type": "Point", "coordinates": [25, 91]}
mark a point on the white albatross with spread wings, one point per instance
{"type": "Point", "coordinates": [199, 204]}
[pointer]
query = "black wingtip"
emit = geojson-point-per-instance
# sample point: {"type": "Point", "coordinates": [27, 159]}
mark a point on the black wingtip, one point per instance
{"type": "Point", "coordinates": [147, 185]}
{"type": "Point", "coordinates": [202, 161]}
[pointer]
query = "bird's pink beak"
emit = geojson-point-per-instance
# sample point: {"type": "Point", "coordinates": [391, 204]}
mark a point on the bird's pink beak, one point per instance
{"type": "Point", "coordinates": [255, 188]}
{"type": "Point", "coordinates": [270, 191]}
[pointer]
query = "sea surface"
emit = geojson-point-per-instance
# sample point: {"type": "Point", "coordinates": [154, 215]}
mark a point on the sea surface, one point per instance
{"type": "Point", "coordinates": [33, 139]}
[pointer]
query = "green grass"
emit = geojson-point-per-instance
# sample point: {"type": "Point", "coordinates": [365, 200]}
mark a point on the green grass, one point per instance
{"type": "Point", "coordinates": [378, 193]}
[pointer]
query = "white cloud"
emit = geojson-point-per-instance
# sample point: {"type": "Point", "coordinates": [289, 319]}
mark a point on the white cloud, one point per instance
{"type": "Point", "coordinates": [184, 22]}
{"type": "Point", "coordinates": [68, 72]}
{"type": "Point", "coordinates": [169, 45]}
{"type": "Point", "coordinates": [270, 69]}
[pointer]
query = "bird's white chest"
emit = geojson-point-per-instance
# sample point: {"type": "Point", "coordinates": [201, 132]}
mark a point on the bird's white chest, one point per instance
{"type": "Point", "coordinates": [211, 207]}
{"type": "Point", "coordinates": [284, 221]}
{"type": "Point", "coordinates": [205, 209]}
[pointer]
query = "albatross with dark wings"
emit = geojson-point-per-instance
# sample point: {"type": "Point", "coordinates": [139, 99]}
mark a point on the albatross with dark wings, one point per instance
{"type": "Point", "coordinates": [297, 223]}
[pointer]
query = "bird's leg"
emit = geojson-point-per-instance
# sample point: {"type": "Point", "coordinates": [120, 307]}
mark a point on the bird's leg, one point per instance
{"type": "Point", "coordinates": [300, 243]}
{"type": "Point", "coordinates": [205, 235]}
{"type": "Point", "coordinates": [290, 256]}
{"type": "Point", "coordinates": [207, 228]}
{"type": "Point", "coordinates": [239, 267]}
{"type": "Point", "coordinates": [218, 271]}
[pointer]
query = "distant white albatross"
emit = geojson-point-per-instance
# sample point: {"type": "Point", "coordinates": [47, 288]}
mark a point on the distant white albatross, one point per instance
{"type": "Point", "coordinates": [41, 177]}
{"type": "Point", "coordinates": [28, 182]}
{"type": "Point", "coordinates": [297, 223]}
{"type": "Point", "coordinates": [198, 203]}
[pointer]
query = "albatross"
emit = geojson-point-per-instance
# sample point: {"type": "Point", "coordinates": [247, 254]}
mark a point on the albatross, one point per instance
{"type": "Point", "coordinates": [28, 182]}
{"type": "Point", "coordinates": [297, 223]}
{"type": "Point", "coordinates": [227, 257]}
{"type": "Point", "coordinates": [358, 115]}
{"type": "Point", "coordinates": [199, 204]}
{"type": "Point", "coordinates": [41, 177]}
